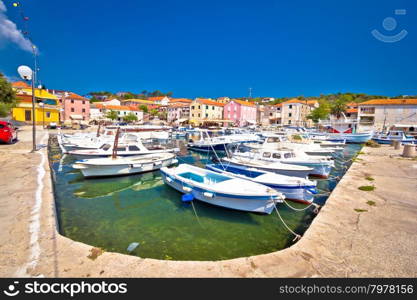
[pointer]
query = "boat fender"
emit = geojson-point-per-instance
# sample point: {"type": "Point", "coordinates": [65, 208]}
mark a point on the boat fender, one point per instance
{"type": "Point", "coordinates": [208, 195]}
{"type": "Point", "coordinates": [187, 189]}
{"type": "Point", "coordinates": [187, 197]}
{"type": "Point", "coordinates": [312, 191]}
{"type": "Point", "coordinates": [169, 179]}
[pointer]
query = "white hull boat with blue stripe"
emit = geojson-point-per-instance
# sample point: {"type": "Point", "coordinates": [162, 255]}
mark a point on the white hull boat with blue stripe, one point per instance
{"type": "Point", "coordinates": [275, 167]}
{"type": "Point", "coordinates": [221, 190]}
{"type": "Point", "coordinates": [294, 188]}
{"type": "Point", "coordinates": [105, 167]}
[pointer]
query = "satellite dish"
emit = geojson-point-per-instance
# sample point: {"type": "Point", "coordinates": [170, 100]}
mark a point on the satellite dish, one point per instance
{"type": "Point", "coordinates": [25, 72]}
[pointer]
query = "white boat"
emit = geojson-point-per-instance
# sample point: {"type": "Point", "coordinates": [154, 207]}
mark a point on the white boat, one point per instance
{"type": "Point", "coordinates": [294, 188]}
{"type": "Point", "coordinates": [394, 135]}
{"type": "Point", "coordinates": [108, 166]}
{"type": "Point", "coordinates": [275, 167]}
{"type": "Point", "coordinates": [304, 145]}
{"type": "Point", "coordinates": [321, 165]}
{"type": "Point", "coordinates": [131, 149]}
{"type": "Point", "coordinates": [221, 190]}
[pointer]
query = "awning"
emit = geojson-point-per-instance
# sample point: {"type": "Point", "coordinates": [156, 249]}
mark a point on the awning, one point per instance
{"type": "Point", "coordinates": [76, 117]}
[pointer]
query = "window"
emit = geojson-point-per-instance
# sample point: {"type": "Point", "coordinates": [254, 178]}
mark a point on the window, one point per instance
{"type": "Point", "coordinates": [72, 109]}
{"type": "Point", "coordinates": [192, 115]}
{"type": "Point", "coordinates": [199, 107]}
{"type": "Point", "coordinates": [192, 107]}
{"type": "Point", "coordinates": [368, 110]}
{"type": "Point", "coordinates": [133, 148]}
{"type": "Point", "coordinates": [83, 110]}
{"type": "Point", "coordinates": [212, 107]}
{"type": "Point", "coordinates": [83, 102]}
{"type": "Point", "coordinates": [199, 115]}
{"type": "Point", "coordinates": [72, 101]}
{"type": "Point", "coordinates": [266, 154]}
{"type": "Point", "coordinates": [289, 115]}
{"type": "Point", "coordinates": [206, 115]}
{"type": "Point", "coordinates": [48, 114]}
{"type": "Point", "coordinates": [287, 155]}
{"type": "Point", "coordinates": [105, 147]}
{"type": "Point", "coordinates": [270, 114]}
{"type": "Point", "coordinates": [276, 155]}
{"type": "Point", "coordinates": [121, 149]}
{"type": "Point", "coordinates": [290, 106]}
{"type": "Point", "coordinates": [289, 122]}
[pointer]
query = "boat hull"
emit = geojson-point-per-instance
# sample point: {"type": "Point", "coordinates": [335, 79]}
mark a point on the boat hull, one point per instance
{"type": "Point", "coordinates": [91, 171]}
{"type": "Point", "coordinates": [263, 205]}
{"type": "Point", "coordinates": [389, 141]}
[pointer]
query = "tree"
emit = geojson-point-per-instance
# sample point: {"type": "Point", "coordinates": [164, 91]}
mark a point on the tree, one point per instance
{"type": "Point", "coordinates": [338, 107]}
{"type": "Point", "coordinates": [94, 99]}
{"type": "Point", "coordinates": [131, 117]}
{"type": "Point", "coordinates": [162, 115]}
{"type": "Point", "coordinates": [320, 113]}
{"type": "Point", "coordinates": [143, 108]}
{"type": "Point", "coordinates": [153, 112]}
{"type": "Point", "coordinates": [7, 96]}
{"type": "Point", "coordinates": [112, 115]}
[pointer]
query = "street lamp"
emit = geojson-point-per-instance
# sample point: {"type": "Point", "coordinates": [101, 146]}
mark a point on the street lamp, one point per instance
{"type": "Point", "coordinates": [27, 74]}
{"type": "Point", "coordinates": [41, 104]}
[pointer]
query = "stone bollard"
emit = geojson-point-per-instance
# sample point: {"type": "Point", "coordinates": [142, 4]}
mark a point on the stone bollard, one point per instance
{"type": "Point", "coordinates": [397, 145]}
{"type": "Point", "coordinates": [409, 150]}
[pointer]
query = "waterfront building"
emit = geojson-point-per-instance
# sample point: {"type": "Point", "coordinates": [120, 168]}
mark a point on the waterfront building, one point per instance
{"type": "Point", "coordinates": [161, 100]}
{"type": "Point", "coordinates": [122, 111]}
{"type": "Point", "coordinates": [380, 114]}
{"type": "Point", "coordinates": [74, 107]}
{"type": "Point", "coordinates": [294, 112]}
{"type": "Point", "coordinates": [46, 105]}
{"type": "Point", "coordinates": [242, 113]}
{"type": "Point", "coordinates": [223, 100]}
{"type": "Point", "coordinates": [178, 112]}
{"type": "Point", "coordinates": [271, 115]}
{"type": "Point", "coordinates": [206, 111]}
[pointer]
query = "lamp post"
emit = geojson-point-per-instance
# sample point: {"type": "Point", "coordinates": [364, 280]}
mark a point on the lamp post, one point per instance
{"type": "Point", "coordinates": [27, 74]}
{"type": "Point", "coordinates": [41, 104]}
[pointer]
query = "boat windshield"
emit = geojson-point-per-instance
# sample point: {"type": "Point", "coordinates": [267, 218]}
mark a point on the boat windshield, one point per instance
{"type": "Point", "coordinates": [209, 178]}
{"type": "Point", "coordinates": [105, 147]}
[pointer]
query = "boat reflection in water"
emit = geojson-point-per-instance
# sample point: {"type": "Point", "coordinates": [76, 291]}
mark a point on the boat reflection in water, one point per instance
{"type": "Point", "coordinates": [95, 188]}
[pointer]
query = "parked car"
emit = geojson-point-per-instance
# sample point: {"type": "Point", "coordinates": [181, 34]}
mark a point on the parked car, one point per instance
{"type": "Point", "coordinates": [8, 133]}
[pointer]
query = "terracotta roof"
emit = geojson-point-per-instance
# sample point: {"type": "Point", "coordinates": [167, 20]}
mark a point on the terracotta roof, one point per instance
{"type": "Point", "coordinates": [76, 97]}
{"type": "Point", "coordinates": [176, 105]}
{"type": "Point", "coordinates": [20, 84]}
{"type": "Point", "coordinates": [354, 104]}
{"type": "Point", "coordinates": [156, 98]}
{"type": "Point", "coordinates": [390, 102]}
{"type": "Point", "coordinates": [294, 100]}
{"type": "Point", "coordinates": [245, 103]}
{"type": "Point", "coordinates": [209, 102]}
{"type": "Point", "coordinates": [352, 110]}
{"type": "Point", "coordinates": [312, 102]}
{"type": "Point", "coordinates": [278, 105]}
{"type": "Point", "coordinates": [116, 107]}
{"type": "Point", "coordinates": [183, 100]}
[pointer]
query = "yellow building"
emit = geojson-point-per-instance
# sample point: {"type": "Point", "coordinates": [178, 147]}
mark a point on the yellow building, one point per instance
{"type": "Point", "coordinates": [206, 111]}
{"type": "Point", "coordinates": [46, 114]}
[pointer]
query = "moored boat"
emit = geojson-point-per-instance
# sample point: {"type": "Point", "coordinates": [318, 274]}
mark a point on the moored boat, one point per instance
{"type": "Point", "coordinates": [294, 188]}
{"type": "Point", "coordinates": [221, 190]}
{"type": "Point", "coordinates": [109, 166]}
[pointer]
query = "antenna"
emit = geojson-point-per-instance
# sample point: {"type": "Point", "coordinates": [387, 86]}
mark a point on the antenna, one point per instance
{"type": "Point", "coordinates": [250, 93]}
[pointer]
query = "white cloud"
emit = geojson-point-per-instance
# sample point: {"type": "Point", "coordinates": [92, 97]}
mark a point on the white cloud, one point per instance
{"type": "Point", "coordinates": [10, 33]}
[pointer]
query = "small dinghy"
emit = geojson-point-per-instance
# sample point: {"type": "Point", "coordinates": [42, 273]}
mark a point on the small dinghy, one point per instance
{"type": "Point", "coordinates": [109, 166]}
{"type": "Point", "coordinates": [221, 190]}
{"type": "Point", "coordinates": [275, 167]}
{"type": "Point", "coordinates": [294, 188]}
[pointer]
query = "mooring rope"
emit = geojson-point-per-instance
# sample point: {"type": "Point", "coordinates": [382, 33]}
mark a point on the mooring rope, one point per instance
{"type": "Point", "coordinates": [297, 236]}
{"type": "Point", "coordinates": [303, 209]}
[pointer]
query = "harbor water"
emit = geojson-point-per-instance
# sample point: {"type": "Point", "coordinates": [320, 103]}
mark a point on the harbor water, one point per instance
{"type": "Point", "coordinates": [113, 213]}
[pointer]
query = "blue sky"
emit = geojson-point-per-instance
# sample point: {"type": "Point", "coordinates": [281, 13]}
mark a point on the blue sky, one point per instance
{"type": "Point", "coordinates": [218, 48]}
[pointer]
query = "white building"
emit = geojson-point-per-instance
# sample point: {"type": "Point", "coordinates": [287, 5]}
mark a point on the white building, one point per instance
{"type": "Point", "coordinates": [380, 113]}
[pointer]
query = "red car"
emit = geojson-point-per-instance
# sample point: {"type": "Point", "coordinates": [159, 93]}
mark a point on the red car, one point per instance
{"type": "Point", "coordinates": [7, 132]}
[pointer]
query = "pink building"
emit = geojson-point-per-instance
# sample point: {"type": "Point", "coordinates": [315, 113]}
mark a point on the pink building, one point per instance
{"type": "Point", "coordinates": [241, 112]}
{"type": "Point", "coordinates": [74, 107]}
{"type": "Point", "coordinates": [178, 112]}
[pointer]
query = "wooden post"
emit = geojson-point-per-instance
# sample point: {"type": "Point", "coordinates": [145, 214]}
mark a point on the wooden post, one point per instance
{"type": "Point", "coordinates": [98, 129]}
{"type": "Point", "coordinates": [116, 143]}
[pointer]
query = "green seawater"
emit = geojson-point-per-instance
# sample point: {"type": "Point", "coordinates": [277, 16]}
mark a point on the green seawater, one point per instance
{"type": "Point", "coordinates": [112, 213]}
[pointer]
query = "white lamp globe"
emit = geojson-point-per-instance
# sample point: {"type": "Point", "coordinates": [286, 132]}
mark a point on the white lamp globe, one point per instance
{"type": "Point", "coordinates": [25, 72]}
